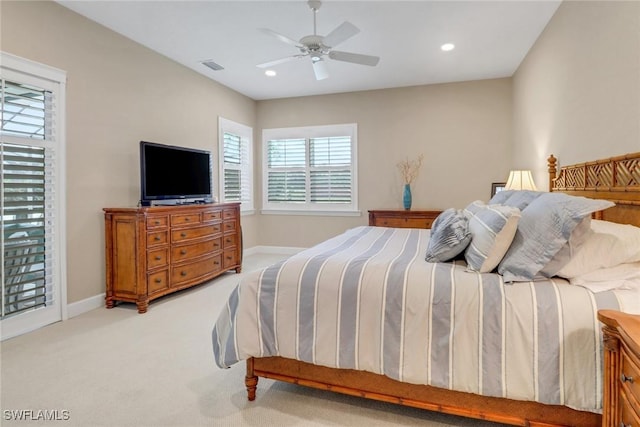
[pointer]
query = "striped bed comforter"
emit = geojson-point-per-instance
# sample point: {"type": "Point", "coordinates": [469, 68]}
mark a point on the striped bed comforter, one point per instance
{"type": "Point", "coordinates": [368, 300]}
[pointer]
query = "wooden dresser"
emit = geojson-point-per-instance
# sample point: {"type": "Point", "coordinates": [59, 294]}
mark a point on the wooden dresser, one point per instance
{"type": "Point", "coordinates": [154, 251]}
{"type": "Point", "coordinates": [402, 218]}
{"type": "Point", "coordinates": [621, 404]}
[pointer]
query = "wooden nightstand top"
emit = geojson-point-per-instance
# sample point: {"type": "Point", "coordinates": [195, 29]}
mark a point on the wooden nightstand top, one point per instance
{"type": "Point", "coordinates": [627, 325]}
{"type": "Point", "coordinates": [399, 218]}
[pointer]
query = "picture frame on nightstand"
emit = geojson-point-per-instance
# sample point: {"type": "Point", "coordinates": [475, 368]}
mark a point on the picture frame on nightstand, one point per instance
{"type": "Point", "coordinates": [496, 187]}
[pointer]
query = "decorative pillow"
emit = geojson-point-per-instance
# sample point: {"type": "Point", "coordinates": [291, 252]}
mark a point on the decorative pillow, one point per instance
{"type": "Point", "coordinates": [492, 229]}
{"type": "Point", "coordinates": [449, 236]}
{"type": "Point", "coordinates": [545, 227]}
{"type": "Point", "coordinates": [608, 245]}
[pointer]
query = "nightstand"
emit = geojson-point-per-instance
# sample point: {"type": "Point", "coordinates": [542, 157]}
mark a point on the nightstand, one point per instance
{"type": "Point", "coordinates": [402, 218]}
{"type": "Point", "coordinates": [621, 401]}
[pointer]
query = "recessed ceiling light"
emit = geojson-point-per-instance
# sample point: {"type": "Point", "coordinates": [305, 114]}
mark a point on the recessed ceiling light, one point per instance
{"type": "Point", "coordinates": [447, 47]}
{"type": "Point", "coordinates": [270, 73]}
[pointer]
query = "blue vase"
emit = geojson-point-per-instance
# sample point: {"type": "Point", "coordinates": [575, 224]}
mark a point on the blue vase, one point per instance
{"type": "Point", "coordinates": [406, 197]}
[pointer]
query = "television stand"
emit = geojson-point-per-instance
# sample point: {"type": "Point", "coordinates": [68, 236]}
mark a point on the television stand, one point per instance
{"type": "Point", "coordinates": [154, 251]}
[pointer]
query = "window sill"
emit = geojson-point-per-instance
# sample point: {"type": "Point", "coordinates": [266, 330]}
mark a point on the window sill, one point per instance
{"type": "Point", "coordinates": [310, 212]}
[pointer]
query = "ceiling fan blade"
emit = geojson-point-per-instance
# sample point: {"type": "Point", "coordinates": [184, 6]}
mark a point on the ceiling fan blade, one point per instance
{"type": "Point", "coordinates": [278, 61]}
{"type": "Point", "coordinates": [341, 33]}
{"type": "Point", "coordinates": [282, 38]}
{"type": "Point", "coordinates": [356, 58]}
{"type": "Point", "coordinates": [320, 69]}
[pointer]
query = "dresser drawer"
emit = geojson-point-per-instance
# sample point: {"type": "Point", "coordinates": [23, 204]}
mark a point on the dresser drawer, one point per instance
{"type": "Point", "coordinates": [230, 240]}
{"type": "Point", "coordinates": [156, 238]}
{"type": "Point", "coordinates": [630, 376]}
{"type": "Point", "coordinates": [628, 415]}
{"type": "Point", "coordinates": [405, 222]}
{"type": "Point", "coordinates": [158, 281]}
{"type": "Point", "coordinates": [229, 214]}
{"type": "Point", "coordinates": [209, 216]}
{"type": "Point", "coordinates": [192, 233]}
{"type": "Point", "coordinates": [191, 271]}
{"type": "Point", "coordinates": [184, 219]}
{"type": "Point", "coordinates": [157, 222]}
{"type": "Point", "coordinates": [229, 226]}
{"type": "Point", "coordinates": [181, 253]}
{"type": "Point", "coordinates": [157, 258]}
{"type": "Point", "coordinates": [229, 258]}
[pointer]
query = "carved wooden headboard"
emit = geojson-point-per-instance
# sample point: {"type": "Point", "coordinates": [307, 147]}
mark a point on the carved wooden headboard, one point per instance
{"type": "Point", "coordinates": [616, 179]}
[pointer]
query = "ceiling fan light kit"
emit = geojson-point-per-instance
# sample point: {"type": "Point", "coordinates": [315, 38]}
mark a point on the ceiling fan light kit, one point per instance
{"type": "Point", "coordinates": [317, 47]}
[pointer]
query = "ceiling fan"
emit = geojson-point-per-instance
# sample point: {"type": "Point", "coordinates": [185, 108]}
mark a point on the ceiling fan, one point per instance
{"type": "Point", "coordinates": [317, 47]}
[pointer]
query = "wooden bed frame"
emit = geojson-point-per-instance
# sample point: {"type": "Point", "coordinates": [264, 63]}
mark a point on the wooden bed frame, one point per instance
{"type": "Point", "coordinates": [616, 179]}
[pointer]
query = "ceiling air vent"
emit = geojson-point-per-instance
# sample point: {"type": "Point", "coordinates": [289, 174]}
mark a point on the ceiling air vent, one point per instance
{"type": "Point", "coordinates": [213, 65]}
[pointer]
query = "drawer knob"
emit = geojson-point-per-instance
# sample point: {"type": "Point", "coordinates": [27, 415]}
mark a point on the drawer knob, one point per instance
{"type": "Point", "coordinates": [157, 222]}
{"type": "Point", "coordinates": [216, 262]}
{"type": "Point", "coordinates": [186, 219]}
{"type": "Point", "coordinates": [183, 234]}
{"type": "Point", "coordinates": [183, 273]}
{"type": "Point", "coordinates": [625, 378]}
{"type": "Point", "coordinates": [183, 252]}
{"type": "Point", "coordinates": [157, 238]}
{"type": "Point", "coordinates": [158, 257]}
{"type": "Point", "coordinates": [158, 280]}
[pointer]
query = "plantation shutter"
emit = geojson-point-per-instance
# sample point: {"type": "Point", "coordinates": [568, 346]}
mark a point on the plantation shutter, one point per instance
{"type": "Point", "coordinates": [237, 169]}
{"type": "Point", "coordinates": [330, 170]}
{"type": "Point", "coordinates": [286, 162]}
{"type": "Point", "coordinates": [27, 157]}
{"type": "Point", "coordinates": [232, 167]}
{"type": "Point", "coordinates": [324, 178]}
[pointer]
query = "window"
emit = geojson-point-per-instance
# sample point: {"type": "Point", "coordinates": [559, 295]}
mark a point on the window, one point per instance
{"type": "Point", "coordinates": [310, 169]}
{"type": "Point", "coordinates": [31, 160]}
{"type": "Point", "coordinates": [236, 164]}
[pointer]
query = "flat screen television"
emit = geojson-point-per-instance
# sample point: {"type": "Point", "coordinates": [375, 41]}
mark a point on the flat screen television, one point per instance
{"type": "Point", "coordinates": [174, 175]}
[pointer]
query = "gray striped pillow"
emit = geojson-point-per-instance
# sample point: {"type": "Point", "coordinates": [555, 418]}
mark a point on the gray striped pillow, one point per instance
{"type": "Point", "coordinates": [492, 229]}
{"type": "Point", "coordinates": [449, 236]}
{"type": "Point", "coordinates": [546, 226]}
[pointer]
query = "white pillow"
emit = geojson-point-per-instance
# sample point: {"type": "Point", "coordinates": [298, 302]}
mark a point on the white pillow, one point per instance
{"type": "Point", "coordinates": [622, 276]}
{"type": "Point", "coordinates": [609, 245]}
{"type": "Point", "coordinates": [492, 229]}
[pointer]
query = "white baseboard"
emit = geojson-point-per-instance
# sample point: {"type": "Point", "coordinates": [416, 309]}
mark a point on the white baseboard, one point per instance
{"type": "Point", "coordinates": [77, 308]}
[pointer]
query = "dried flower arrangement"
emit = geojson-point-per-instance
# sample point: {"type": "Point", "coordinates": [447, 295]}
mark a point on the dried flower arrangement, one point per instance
{"type": "Point", "coordinates": [409, 169]}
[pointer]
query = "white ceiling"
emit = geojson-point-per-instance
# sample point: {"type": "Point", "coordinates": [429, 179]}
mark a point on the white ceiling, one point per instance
{"type": "Point", "coordinates": [491, 38]}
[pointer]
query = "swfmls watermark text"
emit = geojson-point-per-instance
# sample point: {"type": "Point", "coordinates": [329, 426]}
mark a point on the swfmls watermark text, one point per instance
{"type": "Point", "coordinates": [36, 414]}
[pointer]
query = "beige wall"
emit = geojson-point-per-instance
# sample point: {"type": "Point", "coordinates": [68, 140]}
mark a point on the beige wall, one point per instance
{"type": "Point", "coordinates": [463, 129]}
{"type": "Point", "coordinates": [118, 93]}
{"type": "Point", "coordinates": [577, 93]}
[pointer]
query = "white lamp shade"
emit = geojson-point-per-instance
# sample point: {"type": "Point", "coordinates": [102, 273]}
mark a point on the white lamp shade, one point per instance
{"type": "Point", "coordinates": [520, 180]}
